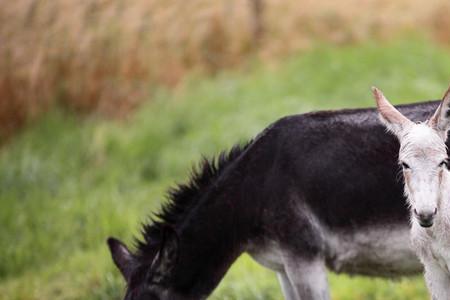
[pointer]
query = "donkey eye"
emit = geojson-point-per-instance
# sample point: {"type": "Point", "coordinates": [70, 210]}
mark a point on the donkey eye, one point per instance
{"type": "Point", "coordinates": [443, 163]}
{"type": "Point", "coordinates": [405, 165]}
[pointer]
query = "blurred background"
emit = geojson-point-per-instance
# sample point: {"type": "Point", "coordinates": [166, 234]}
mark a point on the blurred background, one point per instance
{"type": "Point", "coordinates": [104, 104]}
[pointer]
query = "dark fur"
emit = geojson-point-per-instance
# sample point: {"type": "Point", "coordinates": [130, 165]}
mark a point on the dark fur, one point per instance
{"type": "Point", "coordinates": [341, 165]}
{"type": "Point", "coordinates": [182, 197]}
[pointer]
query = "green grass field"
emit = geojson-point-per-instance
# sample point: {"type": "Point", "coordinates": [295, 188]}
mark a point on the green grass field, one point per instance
{"type": "Point", "coordinates": [67, 184]}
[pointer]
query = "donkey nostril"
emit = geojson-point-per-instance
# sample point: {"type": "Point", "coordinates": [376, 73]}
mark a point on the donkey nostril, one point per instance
{"type": "Point", "coordinates": [435, 211]}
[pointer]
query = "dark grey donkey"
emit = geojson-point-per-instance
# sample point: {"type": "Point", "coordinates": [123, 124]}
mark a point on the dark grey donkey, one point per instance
{"type": "Point", "coordinates": [313, 191]}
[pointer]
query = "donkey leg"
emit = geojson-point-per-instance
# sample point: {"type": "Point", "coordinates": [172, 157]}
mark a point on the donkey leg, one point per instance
{"type": "Point", "coordinates": [286, 287]}
{"type": "Point", "coordinates": [308, 279]}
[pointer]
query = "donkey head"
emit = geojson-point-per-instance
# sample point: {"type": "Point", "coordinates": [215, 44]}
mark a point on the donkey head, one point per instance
{"type": "Point", "coordinates": [147, 278]}
{"type": "Point", "coordinates": [423, 155]}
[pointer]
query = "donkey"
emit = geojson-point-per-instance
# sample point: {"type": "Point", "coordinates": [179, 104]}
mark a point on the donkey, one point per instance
{"type": "Point", "coordinates": [423, 157]}
{"type": "Point", "coordinates": [312, 192]}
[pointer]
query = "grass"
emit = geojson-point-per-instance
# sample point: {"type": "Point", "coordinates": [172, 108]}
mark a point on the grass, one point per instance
{"type": "Point", "coordinates": [66, 183]}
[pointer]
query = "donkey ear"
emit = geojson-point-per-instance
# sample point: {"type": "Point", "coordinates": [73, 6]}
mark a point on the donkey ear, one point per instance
{"type": "Point", "coordinates": [441, 117]}
{"type": "Point", "coordinates": [122, 257]}
{"type": "Point", "coordinates": [389, 115]}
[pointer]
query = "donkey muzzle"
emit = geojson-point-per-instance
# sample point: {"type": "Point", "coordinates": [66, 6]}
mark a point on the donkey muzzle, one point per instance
{"type": "Point", "coordinates": [425, 218]}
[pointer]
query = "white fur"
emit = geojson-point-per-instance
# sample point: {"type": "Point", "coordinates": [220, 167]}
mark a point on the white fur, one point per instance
{"type": "Point", "coordinates": [432, 245]}
{"type": "Point", "coordinates": [300, 278]}
{"type": "Point", "coordinates": [423, 149]}
{"type": "Point", "coordinates": [375, 251]}
{"type": "Point", "coordinates": [427, 181]}
{"type": "Point", "coordinates": [308, 278]}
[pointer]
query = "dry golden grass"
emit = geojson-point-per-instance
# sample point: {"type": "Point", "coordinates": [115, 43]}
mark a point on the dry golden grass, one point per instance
{"type": "Point", "coordinates": [104, 55]}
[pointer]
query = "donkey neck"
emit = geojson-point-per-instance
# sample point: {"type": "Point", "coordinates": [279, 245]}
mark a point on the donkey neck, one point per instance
{"type": "Point", "coordinates": [211, 237]}
{"type": "Point", "coordinates": [443, 215]}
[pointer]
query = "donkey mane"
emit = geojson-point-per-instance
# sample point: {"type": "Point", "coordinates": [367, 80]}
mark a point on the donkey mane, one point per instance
{"type": "Point", "coordinates": [182, 198]}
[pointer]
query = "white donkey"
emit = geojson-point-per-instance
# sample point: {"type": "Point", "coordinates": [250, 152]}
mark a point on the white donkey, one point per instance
{"type": "Point", "coordinates": [423, 157]}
